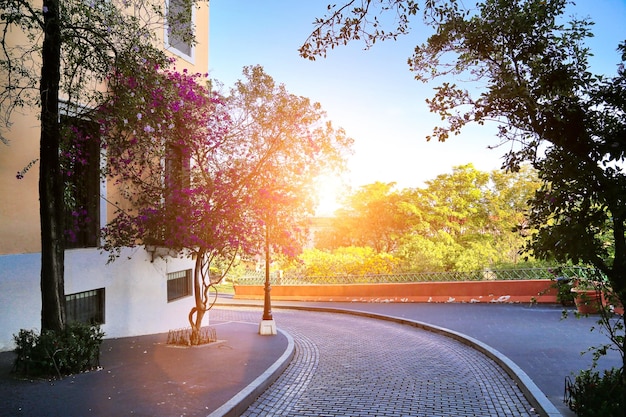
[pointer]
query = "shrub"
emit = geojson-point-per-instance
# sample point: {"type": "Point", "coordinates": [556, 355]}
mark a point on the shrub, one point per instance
{"type": "Point", "coordinates": [350, 260]}
{"type": "Point", "coordinates": [73, 350]}
{"type": "Point", "coordinates": [564, 294]}
{"type": "Point", "coordinates": [596, 395]}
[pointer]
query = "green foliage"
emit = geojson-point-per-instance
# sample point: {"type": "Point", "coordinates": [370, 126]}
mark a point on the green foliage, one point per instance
{"type": "Point", "coordinates": [373, 216]}
{"type": "Point", "coordinates": [345, 261]}
{"type": "Point", "coordinates": [73, 350]}
{"type": "Point", "coordinates": [564, 294]}
{"type": "Point", "coordinates": [226, 287]}
{"type": "Point", "coordinates": [553, 111]}
{"type": "Point", "coordinates": [598, 395]}
{"type": "Point", "coordinates": [463, 221]}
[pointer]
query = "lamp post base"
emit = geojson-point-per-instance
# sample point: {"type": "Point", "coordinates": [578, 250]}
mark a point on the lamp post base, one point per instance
{"type": "Point", "coordinates": [267, 328]}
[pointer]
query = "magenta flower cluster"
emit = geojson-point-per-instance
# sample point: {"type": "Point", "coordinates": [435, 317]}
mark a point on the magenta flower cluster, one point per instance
{"type": "Point", "coordinates": [174, 164]}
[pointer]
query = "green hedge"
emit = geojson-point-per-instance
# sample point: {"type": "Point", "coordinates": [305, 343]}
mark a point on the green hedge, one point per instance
{"type": "Point", "coordinates": [598, 395]}
{"type": "Point", "coordinates": [73, 350]}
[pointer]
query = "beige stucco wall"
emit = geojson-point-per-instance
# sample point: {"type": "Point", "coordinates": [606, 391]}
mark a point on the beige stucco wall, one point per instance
{"type": "Point", "coordinates": [136, 286]}
{"type": "Point", "coordinates": [19, 199]}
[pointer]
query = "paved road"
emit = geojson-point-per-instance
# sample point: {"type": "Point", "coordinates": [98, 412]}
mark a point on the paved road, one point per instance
{"type": "Point", "coordinates": [536, 338]}
{"type": "Point", "coordinates": [547, 347]}
{"type": "Point", "coordinates": [355, 366]}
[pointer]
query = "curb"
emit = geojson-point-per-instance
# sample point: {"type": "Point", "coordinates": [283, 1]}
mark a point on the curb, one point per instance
{"type": "Point", "coordinates": [535, 396]}
{"type": "Point", "coordinates": [242, 400]}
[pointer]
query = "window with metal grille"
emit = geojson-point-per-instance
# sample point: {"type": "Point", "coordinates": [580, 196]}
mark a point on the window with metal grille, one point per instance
{"type": "Point", "coordinates": [180, 27]}
{"type": "Point", "coordinates": [85, 307]}
{"type": "Point", "coordinates": [178, 285]}
{"type": "Point", "coordinates": [80, 158]}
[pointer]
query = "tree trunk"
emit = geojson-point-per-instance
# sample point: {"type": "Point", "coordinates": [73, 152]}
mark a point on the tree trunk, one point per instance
{"type": "Point", "coordinates": [197, 313]}
{"type": "Point", "coordinates": [50, 181]}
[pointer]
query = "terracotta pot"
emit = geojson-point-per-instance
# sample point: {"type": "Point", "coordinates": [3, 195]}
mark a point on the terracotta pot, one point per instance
{"type": "Point", "coordinates": [611, 300]}
{"type": "Point", "coordinates": [587, 301]}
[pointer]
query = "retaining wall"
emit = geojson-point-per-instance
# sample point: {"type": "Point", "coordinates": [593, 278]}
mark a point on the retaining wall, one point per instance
{"type": "Point", "coordinates": [497, 291]}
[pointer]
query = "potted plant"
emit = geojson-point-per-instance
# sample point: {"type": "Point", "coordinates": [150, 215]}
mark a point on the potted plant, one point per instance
{"type": "Point", "coordinates": [564, 294]}
{"type": "Point", "coordinates": [611, 301]}
{"type": "Point", "coordinates": [587, 296]}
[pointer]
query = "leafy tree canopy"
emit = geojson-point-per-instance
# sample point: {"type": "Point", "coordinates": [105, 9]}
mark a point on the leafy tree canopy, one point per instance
{"type": "Point", "coordinates": [351, 260]}
{"type": "Point", "coordinates": [532, 64]}
{"type": "Point", "coordinates": [460, 221]}
{"type": "Point", "coordinates": [291, 143]}
{"type": "Point", "coordinates": [370, 216]}
{"type": "Point", "coordinates": [554, 112]}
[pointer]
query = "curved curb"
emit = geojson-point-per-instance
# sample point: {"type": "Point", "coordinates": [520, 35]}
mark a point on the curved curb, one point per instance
{"type": "Point", "coordinates": [242, 400]}
{"type": "Point", "coordinates": [533, 394]}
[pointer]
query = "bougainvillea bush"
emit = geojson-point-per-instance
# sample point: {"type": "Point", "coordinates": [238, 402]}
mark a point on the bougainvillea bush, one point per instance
{"type": "Point", "coordinates": [164, 136]}
{"type": "Point", "coordinates": [206, 175]}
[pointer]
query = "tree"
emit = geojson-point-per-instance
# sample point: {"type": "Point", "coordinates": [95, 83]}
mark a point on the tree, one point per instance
{"type": "Point", "coordinates": [166, 150]}
{"type": "Point", "coordinates": [468, 219]}
{"type": "Point", "coordinates": [212, 176]}
{"type": "Point", "coordinates": [293, 144]}
{"type": "Point", "coordinates": [359, 20]}
{"type": "Point", "coordinates": [82, 41]}
{"type": "Point", "coordinates": [371, 216]}
{"type": "Point", "coordinates": [461, 221]}
{"type": "Point", "coordinates": [565, 121]}
{"type": "Point", "coordinates": [509, 207]}
{"type": "Point", "coordinates": [456, 223]}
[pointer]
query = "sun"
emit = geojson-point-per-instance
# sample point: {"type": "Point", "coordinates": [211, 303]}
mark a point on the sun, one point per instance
{"type": "Point", "coordinates": [329, 188]}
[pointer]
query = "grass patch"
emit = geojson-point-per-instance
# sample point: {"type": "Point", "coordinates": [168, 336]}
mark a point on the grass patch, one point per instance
{"type": "Point", "coordinates": [225, 288]}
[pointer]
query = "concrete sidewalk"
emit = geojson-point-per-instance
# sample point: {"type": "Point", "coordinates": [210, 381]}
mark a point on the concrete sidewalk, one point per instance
{"type": "Point", "coordinates": [142, 376]}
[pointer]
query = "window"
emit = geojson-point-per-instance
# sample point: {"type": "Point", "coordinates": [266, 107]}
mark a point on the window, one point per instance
{"type": "Point", "coordinates": [176, 179]}
{"type": "Point", "coordinates": [80, 162]}
{"type": "Point", "coordinates": [177, 168]}
{"type": "Point", "coordinates": [178, 285]}
{"type": "Point", "coordinates": [85, 307]}
{"type": "Point", "coordinates": [179, 33]}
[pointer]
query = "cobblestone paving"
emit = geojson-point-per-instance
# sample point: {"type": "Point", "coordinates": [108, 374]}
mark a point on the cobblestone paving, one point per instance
{"type": "Point", "coordinates": [354, 366]}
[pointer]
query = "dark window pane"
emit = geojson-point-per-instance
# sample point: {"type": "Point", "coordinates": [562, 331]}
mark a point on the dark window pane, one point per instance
{"type": "Point", "coordinates": [178, 285]}
{"type": "Point", "coordinates": [85, 307]}
{"type": "Point", "coordinates": [80, 164]}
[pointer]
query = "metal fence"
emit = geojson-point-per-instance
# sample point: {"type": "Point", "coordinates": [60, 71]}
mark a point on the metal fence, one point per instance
{"type": "Point", "coordinates": [258, 277]}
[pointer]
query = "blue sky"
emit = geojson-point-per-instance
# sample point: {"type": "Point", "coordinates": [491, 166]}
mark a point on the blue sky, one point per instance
{"type": "Point", "coordinates": [371, 94]}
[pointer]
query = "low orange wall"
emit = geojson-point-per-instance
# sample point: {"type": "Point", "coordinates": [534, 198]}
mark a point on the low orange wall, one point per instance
{"type": "Point", "coordinates": [423, 292]}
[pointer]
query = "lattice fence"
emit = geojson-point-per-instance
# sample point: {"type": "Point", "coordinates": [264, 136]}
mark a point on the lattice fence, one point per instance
{"type": "Point", "coordinates": [258, 277]}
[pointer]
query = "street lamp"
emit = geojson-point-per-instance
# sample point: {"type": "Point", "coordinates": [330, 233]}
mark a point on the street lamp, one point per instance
{"type": "Point", "coordinates": [268, 325]}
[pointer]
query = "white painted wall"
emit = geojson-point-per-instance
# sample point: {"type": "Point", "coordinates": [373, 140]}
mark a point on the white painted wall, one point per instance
{"type": "Point", "coordinates": [135, 291]}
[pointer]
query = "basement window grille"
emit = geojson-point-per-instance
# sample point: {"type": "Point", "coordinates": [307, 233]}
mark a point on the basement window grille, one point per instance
{"type": "Point", "coordinates": [178, 285]}
{"type": "Point", "coordinates": [85, 307]}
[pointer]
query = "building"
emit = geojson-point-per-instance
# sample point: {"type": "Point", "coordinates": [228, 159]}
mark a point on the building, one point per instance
{"type": "Point", "coordinates": [140, 293]}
